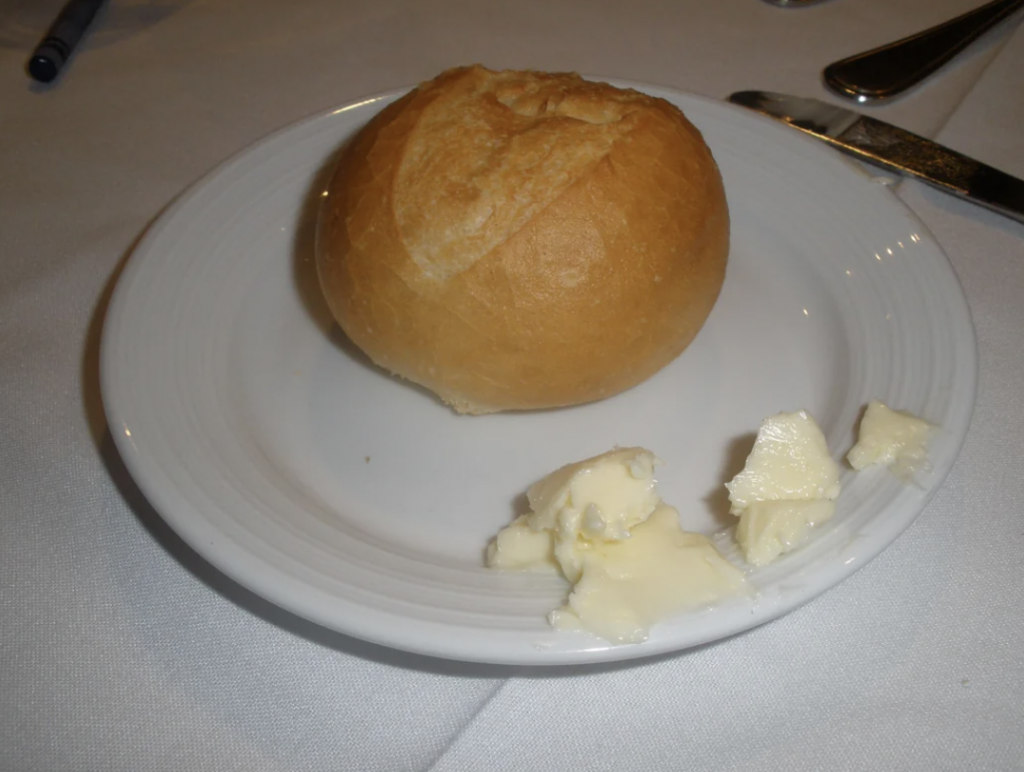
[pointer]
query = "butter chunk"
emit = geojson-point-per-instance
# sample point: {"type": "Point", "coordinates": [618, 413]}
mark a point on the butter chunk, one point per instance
{"type": "Point", "coordinates": [626, 586]}
{"type": "Point", "coordinates": [768, 529]}
{"type": "Point", "coordinates": [602, 525]}
{"type": "Point", "coordinates": [787, 485]}
{"type": "Point", "coordinates": [790, 461]}
{"type": "Point", "coordinates": [521, 547]}
{"type": "Point", "coordinates": [595, 500]}
{"type": "Point", "coordinates": [892, 438]}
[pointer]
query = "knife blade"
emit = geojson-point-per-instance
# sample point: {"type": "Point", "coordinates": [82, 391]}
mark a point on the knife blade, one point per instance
{"type": "Point", "coordinates": [893, 148]}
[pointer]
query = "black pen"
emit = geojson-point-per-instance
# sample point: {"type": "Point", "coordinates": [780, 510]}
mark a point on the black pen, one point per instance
{"type": "Point", "coordinates": [61, 39]}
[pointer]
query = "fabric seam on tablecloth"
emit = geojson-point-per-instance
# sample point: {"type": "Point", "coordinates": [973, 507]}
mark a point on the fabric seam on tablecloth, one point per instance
{"type": "Point", "coordinates": [454, 737]}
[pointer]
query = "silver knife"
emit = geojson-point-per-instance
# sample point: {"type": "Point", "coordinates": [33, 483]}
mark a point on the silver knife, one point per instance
{"type": "Point", "coordinates": [892, 148]}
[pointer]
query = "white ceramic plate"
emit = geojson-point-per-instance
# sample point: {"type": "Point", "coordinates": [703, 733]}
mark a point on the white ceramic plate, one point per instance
{"type": "Point", "coordinates": [347, 497]}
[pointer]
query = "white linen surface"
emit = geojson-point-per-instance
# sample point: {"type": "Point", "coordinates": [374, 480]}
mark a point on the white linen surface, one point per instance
{"type": "Point", "coordinates": [120, 649]}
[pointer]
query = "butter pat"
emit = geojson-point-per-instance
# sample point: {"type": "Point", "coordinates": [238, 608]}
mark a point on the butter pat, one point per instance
{"type": "Point", "coordinates": [660, 570]}
{"type": "Point", "coordinates": [891, 438]}
{"type": "Point", "coordinates": [520, 547]}
{"type": "Point", "coordinates": [593, 501]}
{"type": "Point", "coordinates": [601, 524]}
{"type": "Point", "coordinates": [787, 485]}
{"type": "Point", "coordinates": [790, 462]}
{"type": "Point", "coordinates": [768, 529]}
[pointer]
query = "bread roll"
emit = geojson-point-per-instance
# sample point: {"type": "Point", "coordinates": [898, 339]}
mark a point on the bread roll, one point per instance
{"type": "Point", "coordinates": [521, 240]}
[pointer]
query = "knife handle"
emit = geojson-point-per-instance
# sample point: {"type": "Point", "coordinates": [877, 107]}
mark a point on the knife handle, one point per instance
{"type": "Point", "coordinates": [884, 72]}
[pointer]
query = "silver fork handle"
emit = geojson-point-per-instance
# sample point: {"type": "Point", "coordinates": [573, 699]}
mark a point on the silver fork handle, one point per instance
{"type": "Point", "coordinates": [884, 72]}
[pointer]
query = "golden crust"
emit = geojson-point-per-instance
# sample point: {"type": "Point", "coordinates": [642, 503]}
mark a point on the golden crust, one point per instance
{"type": "Point", "coordinates": [522, 240]}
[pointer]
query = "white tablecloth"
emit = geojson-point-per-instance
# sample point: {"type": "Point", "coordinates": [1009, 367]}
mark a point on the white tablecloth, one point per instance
{"type": "Point", "coordinates": [120, 649]}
